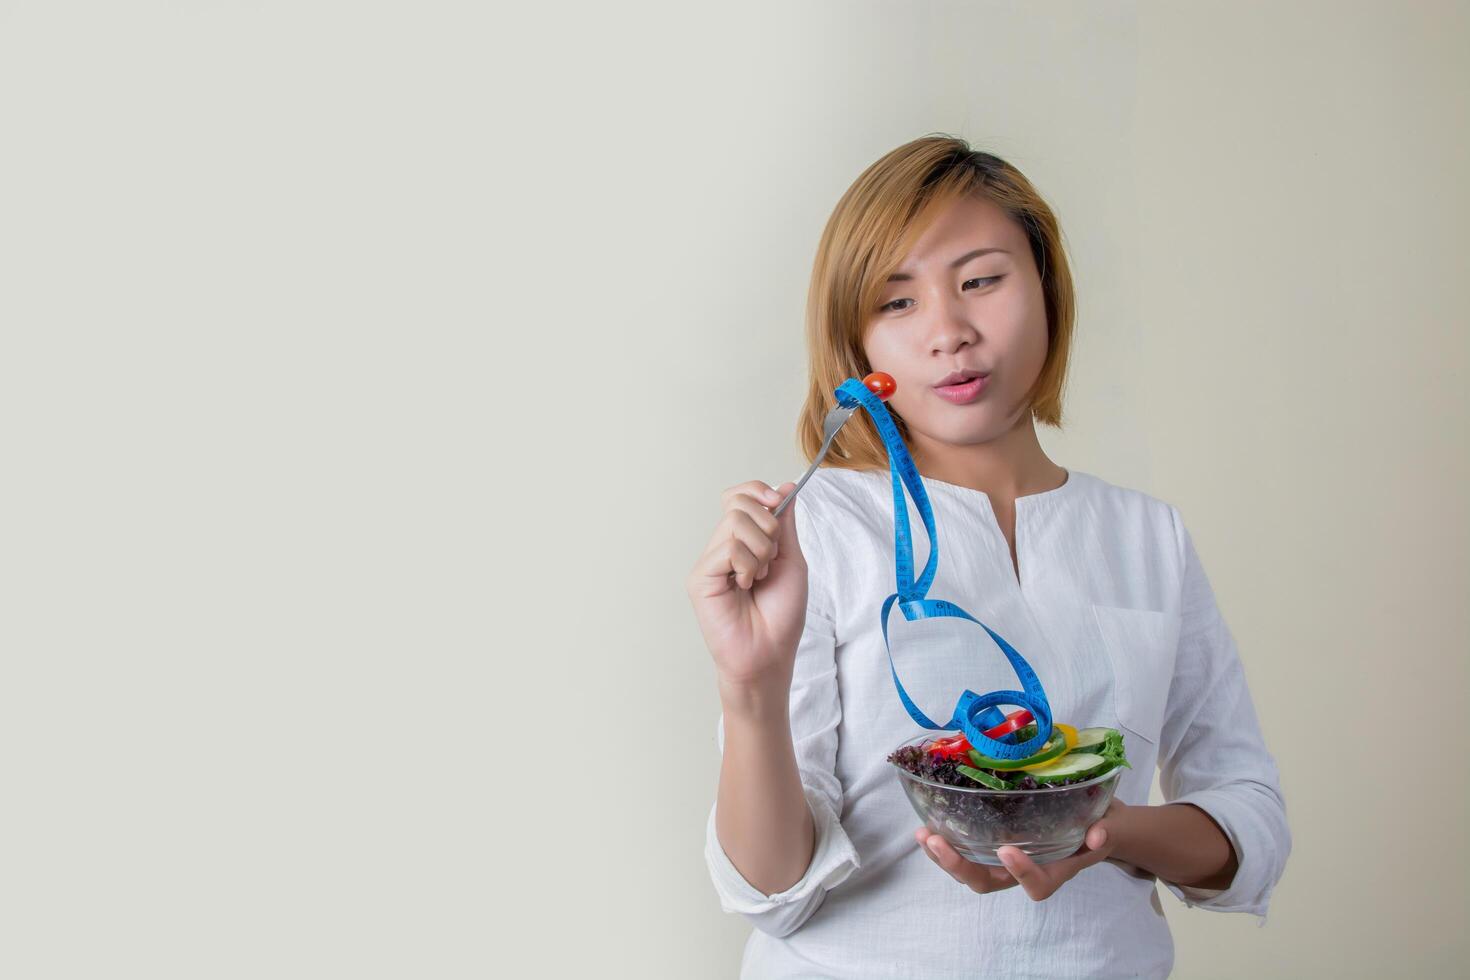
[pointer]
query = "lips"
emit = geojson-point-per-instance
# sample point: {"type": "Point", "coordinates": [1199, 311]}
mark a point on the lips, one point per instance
{"type": "Point", "coordinates": [965, 392]}
{"type": "Point", "coordinates": [959, 378]}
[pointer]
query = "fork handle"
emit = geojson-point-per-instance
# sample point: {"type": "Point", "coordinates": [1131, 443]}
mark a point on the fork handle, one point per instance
{"type": "Point", "coordinates": [797, 489]}
{"type": "Point", "coordinates": [821, 455]}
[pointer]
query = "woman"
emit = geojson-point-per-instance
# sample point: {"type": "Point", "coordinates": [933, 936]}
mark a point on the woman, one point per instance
{"type": "Point", "coordinates": [943, 267]}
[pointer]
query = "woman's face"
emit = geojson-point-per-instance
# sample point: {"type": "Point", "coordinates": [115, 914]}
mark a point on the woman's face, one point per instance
{"type": "Point", "coordinates": [955, 311]}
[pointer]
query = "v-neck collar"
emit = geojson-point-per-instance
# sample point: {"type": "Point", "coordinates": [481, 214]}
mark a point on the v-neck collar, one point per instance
{"type": "Point", "coordinates": [1015, 574]}
{"type": "Point", "coordinates": [1068, 486]}
{"type": "Point", "coordinates": [972, 498]}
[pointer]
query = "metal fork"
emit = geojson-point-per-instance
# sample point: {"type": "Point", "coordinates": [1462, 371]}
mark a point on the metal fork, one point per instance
{"type": "Point", "coordinates": [835, 419]}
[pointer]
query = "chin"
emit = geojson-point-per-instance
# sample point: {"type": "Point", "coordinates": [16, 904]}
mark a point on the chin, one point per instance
{"type": "Point", "coordinates": [961, 432]}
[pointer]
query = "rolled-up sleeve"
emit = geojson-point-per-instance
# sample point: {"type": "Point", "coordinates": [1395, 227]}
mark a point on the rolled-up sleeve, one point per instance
{"type": "Point", "coordinates": [1212, 754]}
{"type": "Point", "coordinates": [815, 712]}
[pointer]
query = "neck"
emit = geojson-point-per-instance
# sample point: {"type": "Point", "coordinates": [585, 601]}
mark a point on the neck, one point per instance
{"type": "Point", "coordinates": [1011, 465]}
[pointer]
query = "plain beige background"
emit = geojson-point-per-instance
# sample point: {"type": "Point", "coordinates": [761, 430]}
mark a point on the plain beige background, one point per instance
{"type": "Point", "coordinates": [370, 373]}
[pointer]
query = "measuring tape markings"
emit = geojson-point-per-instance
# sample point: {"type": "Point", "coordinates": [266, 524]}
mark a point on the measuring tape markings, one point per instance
{"type": "Point", "coordinates": [973, 712]}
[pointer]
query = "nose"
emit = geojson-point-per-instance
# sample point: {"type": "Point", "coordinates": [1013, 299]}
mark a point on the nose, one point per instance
{"type": "Point", "coordinates": [951, 329]}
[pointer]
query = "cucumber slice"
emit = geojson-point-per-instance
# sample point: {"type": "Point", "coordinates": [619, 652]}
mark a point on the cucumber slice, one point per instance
{"type": "Point", "coordinates": [1075, 764]}
{"type": "Point", "coordinates": [983, 778]}
{"type": "Point", "coordinates": [1021, 734]}
{"type": "Point", "coordinates": [1089, 737]}
{"type": "Point", "coordinates": [1055, 746]}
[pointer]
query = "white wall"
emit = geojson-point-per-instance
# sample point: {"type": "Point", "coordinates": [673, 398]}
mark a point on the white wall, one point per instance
{"type": "Point", "coordinates": [371, 371]}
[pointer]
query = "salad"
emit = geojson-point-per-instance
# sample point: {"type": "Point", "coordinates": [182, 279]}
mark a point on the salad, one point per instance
{"type": "Point", "coordinates": [1069, 756]}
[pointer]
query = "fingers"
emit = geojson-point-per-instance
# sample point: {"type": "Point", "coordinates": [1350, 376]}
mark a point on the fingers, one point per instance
{"type": "Point", "coordinates": [744, 564]}
{"type": "Point", "coordinates": [1033, 878]}
{"type": "Point", "coordinates": [746, 541]}
{"type": "Point", "coordinates": [749, 522]}
{"type": "Point", "coordinates": [743, 545]}
{"type": "Point", "coordinates": [982, 878]}
{"type": "Point", "coordinates": [1038, 881]}
{"type": "Point", "coordinates": [1041, 881]}
{"type": "Point", "coordinates": [725, 560]}
{"type": "Point", "coordinates": [746, 506]}
{"type": "Point", "coordinates": [747, 531]}
{"type": "Point", "coordinates": [746, 553]}
{"type": "Point", "coordinates": [753, 490]}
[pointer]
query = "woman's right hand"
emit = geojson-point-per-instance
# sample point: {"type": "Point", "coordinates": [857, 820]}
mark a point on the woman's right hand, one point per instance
{"type": "Point", "coordinates": [749, 589]}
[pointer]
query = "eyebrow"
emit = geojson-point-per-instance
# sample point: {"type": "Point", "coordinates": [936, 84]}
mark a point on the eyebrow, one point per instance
{"type": "Point", "coordinates": [905, 277]}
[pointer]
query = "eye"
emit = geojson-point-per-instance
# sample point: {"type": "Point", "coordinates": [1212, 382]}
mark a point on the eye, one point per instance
{"type": "Point", "coordinates": [891, 304]}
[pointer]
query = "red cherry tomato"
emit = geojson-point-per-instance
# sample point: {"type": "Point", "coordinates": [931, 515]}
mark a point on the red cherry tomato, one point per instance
{"type": "Point", "coordinates": [881, 385]}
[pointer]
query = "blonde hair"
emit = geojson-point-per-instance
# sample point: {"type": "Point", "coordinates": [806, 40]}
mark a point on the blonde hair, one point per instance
{"type": "Point", "coordinates": [870, 231]}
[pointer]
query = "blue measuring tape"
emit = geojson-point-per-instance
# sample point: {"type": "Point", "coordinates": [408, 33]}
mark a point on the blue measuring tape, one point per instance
{"type": "Point", "coordinates": [974, 712]}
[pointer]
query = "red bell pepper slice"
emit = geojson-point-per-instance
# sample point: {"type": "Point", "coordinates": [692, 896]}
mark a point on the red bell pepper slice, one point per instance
{"type": "Point", "coordinates": [1016, 720]}
{"type": "Point", "coordinates": [958, 747]}
{"type": "Point", "coordinates": [953, 747]}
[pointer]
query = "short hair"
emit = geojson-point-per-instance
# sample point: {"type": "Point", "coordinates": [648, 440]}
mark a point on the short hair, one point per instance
{"type": "Point", "coordinates": [870, 231]}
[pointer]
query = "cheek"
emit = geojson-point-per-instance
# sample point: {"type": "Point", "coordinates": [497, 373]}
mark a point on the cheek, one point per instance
{"type": "Point", "coordinates": [908, 368]}
{"type": "Point", "coordinates": [1023, 339]}
{"type": "Point", "coordinates": [885, 353]}
{"type": "Point", "coordinates": [881, 346]}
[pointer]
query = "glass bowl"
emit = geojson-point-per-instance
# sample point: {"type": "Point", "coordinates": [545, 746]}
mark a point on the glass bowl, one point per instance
{"type": "Point", "coordinates": [1047, 823]}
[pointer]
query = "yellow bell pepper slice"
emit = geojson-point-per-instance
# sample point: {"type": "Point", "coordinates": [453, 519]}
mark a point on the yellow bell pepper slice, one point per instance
{"type": "Point", "coordinates": [1070, 734]}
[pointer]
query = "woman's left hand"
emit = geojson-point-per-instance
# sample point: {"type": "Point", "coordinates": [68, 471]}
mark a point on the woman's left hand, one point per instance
{"type": "Point", "coordinates": [1039, 880]}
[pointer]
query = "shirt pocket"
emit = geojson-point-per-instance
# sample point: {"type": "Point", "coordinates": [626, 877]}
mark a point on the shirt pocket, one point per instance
{"type": "Point", "coordinates": [1140, 645]}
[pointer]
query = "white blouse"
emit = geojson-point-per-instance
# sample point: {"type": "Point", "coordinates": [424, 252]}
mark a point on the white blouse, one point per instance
{"type": "Point", "coordinates": [1116, 616]}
